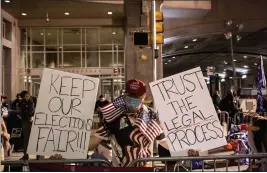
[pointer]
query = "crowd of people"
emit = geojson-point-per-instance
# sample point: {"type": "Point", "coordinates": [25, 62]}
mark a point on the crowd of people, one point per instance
{"type": "Point", "coordinates": [128, 128]}
{"type": "Point", "coordinates": [23, 107]}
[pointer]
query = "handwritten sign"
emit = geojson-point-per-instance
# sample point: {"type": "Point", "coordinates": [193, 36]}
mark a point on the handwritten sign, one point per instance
{"type": "Point", "coordinates": [64, 114]}
{"type": "Point", "coordinates": [187, 113]}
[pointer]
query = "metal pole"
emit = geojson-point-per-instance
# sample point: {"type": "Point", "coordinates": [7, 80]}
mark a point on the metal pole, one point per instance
{"type": "Point", "coordinates": [233, 63]}
{"type": "Point", "coordinates": [154, 44]}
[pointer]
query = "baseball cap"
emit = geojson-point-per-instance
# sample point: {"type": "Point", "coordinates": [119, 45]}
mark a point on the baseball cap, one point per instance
{"type": "Point", "coordinates": [135, 87]}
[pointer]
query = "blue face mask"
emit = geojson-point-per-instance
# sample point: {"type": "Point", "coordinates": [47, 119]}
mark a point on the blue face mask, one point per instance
{"type": "Point", "coordinates": [132, 103]}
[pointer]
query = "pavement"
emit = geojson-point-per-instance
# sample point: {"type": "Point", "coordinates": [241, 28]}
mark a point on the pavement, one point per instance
{"type": "Point", "coordinates": [220, 164]}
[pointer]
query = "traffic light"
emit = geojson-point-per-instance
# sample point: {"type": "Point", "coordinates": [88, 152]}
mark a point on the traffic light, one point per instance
{"type": "Point", "coordinates": [159, 27]}
{"type": "Point", "coordinates": [141, 38]}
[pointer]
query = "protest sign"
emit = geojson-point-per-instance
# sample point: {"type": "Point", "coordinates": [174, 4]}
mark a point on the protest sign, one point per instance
{"type": "Point", "coordinates": [64, 114]}
{"type": "Point", "coordinates": [187, 113]}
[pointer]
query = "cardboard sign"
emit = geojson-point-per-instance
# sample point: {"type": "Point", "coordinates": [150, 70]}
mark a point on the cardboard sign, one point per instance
{"type": "Point", "coordinates": [187, 113]}
{"type": "Point", "coordinates": [64, 114]}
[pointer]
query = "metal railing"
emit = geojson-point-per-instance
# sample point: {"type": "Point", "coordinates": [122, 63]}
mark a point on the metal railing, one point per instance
{"type": "Point", "coordinates": [180, 162]}
{"type": "Point", "coordinates": [25, 164]}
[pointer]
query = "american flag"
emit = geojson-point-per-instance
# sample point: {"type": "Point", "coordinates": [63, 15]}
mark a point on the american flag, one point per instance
{"type": "Point", "coordinates": [261, 85]}
{"type": "Point", "coordinates": [114, 109]}
{"type": "Point", "coordinates": [146, 132]}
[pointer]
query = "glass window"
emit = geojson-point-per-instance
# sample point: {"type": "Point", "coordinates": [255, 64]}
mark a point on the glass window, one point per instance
{"type": "Point", "coordinates": [106, 59]}
{"type": "Point", "coordinates": [37, 48]}
{"type": "Point", "coordinates": [92, 59]}
{"type": "Point", "coordinates": [92, 36]}
{"type": "Point", "coordinates": [120, 58]}
{"type": "Point", "coordinates": [51, 36]}
{"type": "Point", "coordinates": [51, 60]}
{"type": "Point", "coordinates": [37, 36]}
{"type": "Point", "coordinates": [72, 59]}
{"type": "Point", "coordinates": [23, 36]}
{"type": "Point", "coordinates": [106, 35]}
{"type": "Point", "coordinates": [118, 36]}
{"type": "Point", "coordinates": [37, 60]}
{"type": "Point", "coordinates": [107, 48]}
{"type": "Point", "coordinates": [72, 48]}
{"type": "Point", "coordinates": [71, 36]}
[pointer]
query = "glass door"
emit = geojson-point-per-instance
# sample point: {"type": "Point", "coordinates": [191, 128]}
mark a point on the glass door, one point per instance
{"type": "Point", "coordinates": [112, 86]}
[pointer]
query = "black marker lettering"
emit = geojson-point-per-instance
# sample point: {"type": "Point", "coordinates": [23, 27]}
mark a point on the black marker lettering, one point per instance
{"type": "Point", "coordinates": [88, 88]}
{"type": "Point", "coordinates": [38, 138]}
{"type": "Point", "coordinates": [192, 83]}
{"type": "Point", "coordinates": [52, 83]}
{"type": "Point", "coordinates": [36, 117]}
{"type": "Point", "coordinates": [189, 103]}
{"type": "Point", "coordinates": [72, 87]}
{"type": "Point", "coordinates": [55, 101]}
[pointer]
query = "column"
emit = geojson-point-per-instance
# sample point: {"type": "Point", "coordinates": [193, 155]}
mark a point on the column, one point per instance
{"type": "Point", "coordinates": [137, 19]}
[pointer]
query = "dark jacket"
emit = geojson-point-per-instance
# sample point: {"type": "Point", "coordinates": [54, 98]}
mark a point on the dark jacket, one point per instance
{"type": "Point", "coordinates": [27, 109]}
{"type": "Point", "coordinates": [16, 104]}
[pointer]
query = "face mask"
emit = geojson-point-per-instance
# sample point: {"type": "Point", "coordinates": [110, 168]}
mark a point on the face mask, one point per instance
{"type": "Point", "coordinates": [132, 103]}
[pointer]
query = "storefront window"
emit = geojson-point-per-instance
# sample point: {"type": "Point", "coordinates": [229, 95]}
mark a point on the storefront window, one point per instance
{"type": "Point", "coordinates": [106, 59]}
{"type": "Point", "coordinates": [72, 59]}
{"type": "Point", "coordinates": [37, 60]}
{"type": "Point", "coordinates": [95, 48]}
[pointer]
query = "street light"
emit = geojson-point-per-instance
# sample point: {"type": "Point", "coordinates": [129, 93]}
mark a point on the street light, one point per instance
{"type": "Point", "coordinates": [232, 30]}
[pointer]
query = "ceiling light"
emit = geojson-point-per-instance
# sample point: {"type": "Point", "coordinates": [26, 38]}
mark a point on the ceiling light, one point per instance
{"type": "Point", "coordinates": [208, 82]}
{"type": "Point", "coordinates": [245, 56]}
{"type": "Point", "coordinates": [41, 33]}
{"type": "Point", "coordinates": [194, 40]}
{"type": "Point", "coordinates": [23, 14]}
{"type": "Point", "coordinates": [223, 80]}
{"type": "Point", "coordinates": [224, 72]}
{"type": "Point", "coordinates": [114, 33]}
{"type": "Point", "coordinates": [229, 23]}
{"type": "Point", "coordinates": [77, 33]}
{"type": "Point", "coordinates": [225, 62]}
{"type": "Point", "coordinates": [228, 35]}
{"type": "Point", "coordinates": [173, 57]}
{"type": "Point", "coordinates": [244, 76]}
{"type": "Point", "coordinates": [7, 1]}
{"type": "Point", "coordinates": [110, 13]}
{"type": "Point", "coordinates": [238, 37]}
{"type": "Point", "coordinates": [169, 60]}
{"type": "Point", "coordinates": [186, 47]}
{"type": "Point", "coordinates": [234, 60]}
{"type": "Point", "coordinates": [255, 64]}
{"type": "Point", "coordinates": [231, 77]}
{"type": "Point", "coordinates": [48, 34]}
{"type": "Point", "coordinates": [245, 66]}
{"type": "Point", "coordinates": [224, 69]}
{"type": "Point", "coordinates": [67, 13]}
{"type": "Point", "coordinates": [166, 63]}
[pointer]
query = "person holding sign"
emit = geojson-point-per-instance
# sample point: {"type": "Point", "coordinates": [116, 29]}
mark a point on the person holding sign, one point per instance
{"type": "Point", "coordinates": [130, 126]}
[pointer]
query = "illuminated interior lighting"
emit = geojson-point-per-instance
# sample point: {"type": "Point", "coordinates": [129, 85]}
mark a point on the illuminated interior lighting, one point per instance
{"type": "Point", "coordinates": [244, 76]}
{"type": "Point", "coordinates": [23, 14]}
{"type": "Point", "coordinates": [186, 47]}
{"type": "Point", "coordinates": [67, 13]}
{"type": "Point", "coordinates": [109, 13]}
{"type": "Point", "coordinates": [194, 40]}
